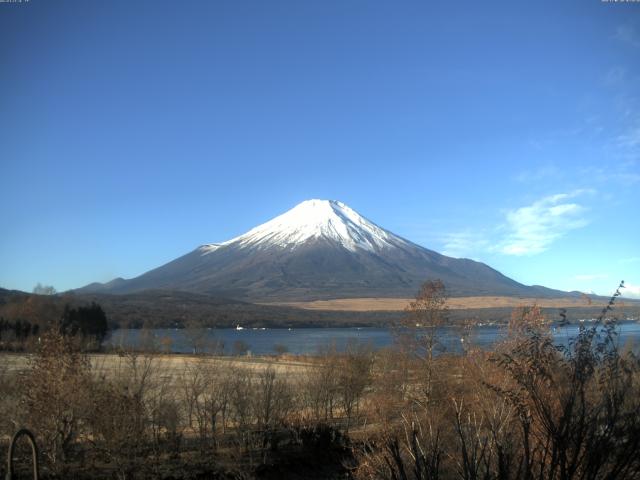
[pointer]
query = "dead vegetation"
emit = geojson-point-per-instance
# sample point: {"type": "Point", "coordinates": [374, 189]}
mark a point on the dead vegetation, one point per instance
{"type": "Point", "coordinates": [527, 410]}
{"type": "Point", "coordinates": [454, 303]}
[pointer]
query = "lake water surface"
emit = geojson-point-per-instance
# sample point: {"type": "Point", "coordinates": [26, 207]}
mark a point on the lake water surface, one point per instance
{"type": "Point", "coordinates": [312, 340]}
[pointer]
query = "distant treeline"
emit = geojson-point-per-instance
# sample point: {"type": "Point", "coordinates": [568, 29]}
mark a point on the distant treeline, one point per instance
{"type": "Point", "coordinates": [18, 330]}
{"type": "Point", "coordinates": [29, 317]}
{"type": "Point", "coordinates": [173, 309]}
{"type": "Point", "coordinates": [163, 309]}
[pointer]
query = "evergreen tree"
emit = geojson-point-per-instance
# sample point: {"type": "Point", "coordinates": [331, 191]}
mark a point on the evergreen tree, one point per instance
{"type": "Point", "coordinates": [88, 321]}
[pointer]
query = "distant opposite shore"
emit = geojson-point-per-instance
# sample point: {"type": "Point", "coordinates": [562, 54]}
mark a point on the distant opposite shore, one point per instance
{"type": "Point", "coordinates": [453, 303]}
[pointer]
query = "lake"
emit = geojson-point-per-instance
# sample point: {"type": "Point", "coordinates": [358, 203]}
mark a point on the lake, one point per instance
{"type": "Point", "coordinates": [311, 340]}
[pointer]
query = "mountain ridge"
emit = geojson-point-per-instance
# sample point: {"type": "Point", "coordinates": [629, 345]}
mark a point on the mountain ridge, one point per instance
{"type": "Point", "coordinates": [319, 249]}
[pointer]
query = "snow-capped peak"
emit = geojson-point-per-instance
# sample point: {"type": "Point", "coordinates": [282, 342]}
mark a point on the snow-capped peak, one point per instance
{"type": "Point", "coordinates": [208, 247]}
{"type": "Point", "coordinates": [316, 219]}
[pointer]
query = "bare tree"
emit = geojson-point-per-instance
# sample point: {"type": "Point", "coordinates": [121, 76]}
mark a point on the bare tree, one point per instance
{"type": "Point", "coordinates": [165, 421]}
{"type": "Point", "coordinates": [54, 396]}
{"type": "Point", "coordinates": [320, 385]}
{"type": "Point", "coordinates": [390, 384]}
{"type": "Point", "coordinates": [273, 398]}
{"type": "Point", "coordinates": [577, 406]}
{"type": "Point", "coordinates": [280, 349]}
{"type": "Point", "coordinates": [241, 403]}
{"type": "Point", "coordinates": [40, 289]}
{"type": "Point", "coordinates": [193, 383]}
{"type": "Point", "coordinates": [196, 337]}
{"type": "Point", "coordinates": [354, 375]}
{"type": "Point", "coordinates": [413, 451]}
{"type": "Point", "coordinates": [121, 415]}
{"type": "Point", "coordinates": [240, 347]}
{"type": "Point", "coordinates": [419, 330]}
{"type": "Point", "coordinates": [218, 381]}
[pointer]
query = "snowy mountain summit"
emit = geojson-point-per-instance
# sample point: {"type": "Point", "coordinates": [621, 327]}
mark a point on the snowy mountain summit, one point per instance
{"type": "Point", "coordinates": [315, 220]}
{"type": "Point", "coordinates": [320, 249]}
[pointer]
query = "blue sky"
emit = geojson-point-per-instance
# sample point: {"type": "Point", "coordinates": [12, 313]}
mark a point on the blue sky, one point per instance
{"type": "Point", "coordinates": [507, 132]}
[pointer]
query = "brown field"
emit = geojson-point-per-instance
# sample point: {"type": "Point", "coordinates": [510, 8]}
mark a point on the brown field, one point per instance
{"type": "Point", "coordinates": [333, 416]}
{"type": "Point", "coordinates": [459, 303]}
{"type": "Point", "coordinates": [172, 364]}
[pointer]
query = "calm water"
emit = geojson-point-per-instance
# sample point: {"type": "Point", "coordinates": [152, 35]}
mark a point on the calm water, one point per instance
{"type": "Point", "coordinates": [311, 340]}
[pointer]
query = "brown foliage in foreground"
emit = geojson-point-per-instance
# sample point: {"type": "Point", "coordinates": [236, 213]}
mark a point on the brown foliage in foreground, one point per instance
{"type": "Point", "coordinates": [527, 410]}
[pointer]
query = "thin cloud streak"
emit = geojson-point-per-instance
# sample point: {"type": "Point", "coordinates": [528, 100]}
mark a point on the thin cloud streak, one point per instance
{"type": "Point", "coordinates": [542, 173]}
{"type": "Point", "coordinates": [532, 229]}
{"type": "Point", "coordinates": [631, 291]}
{"type": "Point", "coordinates": [463, 244]}
{"type": "Point", "coordinates": [628, 35]}
{"type": "Point", "coordinates": [630, 260]}
{"type": "Point", "coordinates": [591, 276]}
{"type": "Point", "coordinates": [615, 76]}
{"type": "Point", "coordinates": [527, 230]}
{"type": "Point", "coordinates": [622, 175]}
{"type": "Point", "coordinates": [630, 139]}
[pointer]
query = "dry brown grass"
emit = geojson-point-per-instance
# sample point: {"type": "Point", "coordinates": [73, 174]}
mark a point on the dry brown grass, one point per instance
{"type": "Point", "coordinates": [458, 303]}
{"type": "Point", "coordinates": [171, 364]}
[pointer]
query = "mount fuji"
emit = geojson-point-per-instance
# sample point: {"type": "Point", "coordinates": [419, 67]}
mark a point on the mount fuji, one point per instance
{"type": "Point", "coordinates": [320, 249]}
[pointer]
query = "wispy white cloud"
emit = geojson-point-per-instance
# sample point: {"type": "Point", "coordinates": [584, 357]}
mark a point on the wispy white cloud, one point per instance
{"type": "Point", "coordinates": [532, 229]}
{"type": "Point", "coordinates": [630, 139]}
{"type": "Point", "coordinates": [464, 244]}
{"type": "Point", "coordinates": [628, 34]}
{"type": "Point", "coordinates": [541, 173]}
{"type": "Point", "coordinates": [629, 260]}
{"type": "Point", "coordinates": [625, 174]}
{"type": "Point", "coordinates": [631, 291]}
{"type": "Point", "coordinates": [591, 276]}
{"type": "Point", "coordinates": [546, 139]}
{"type": "Point", "coordinates": [615, 76]}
